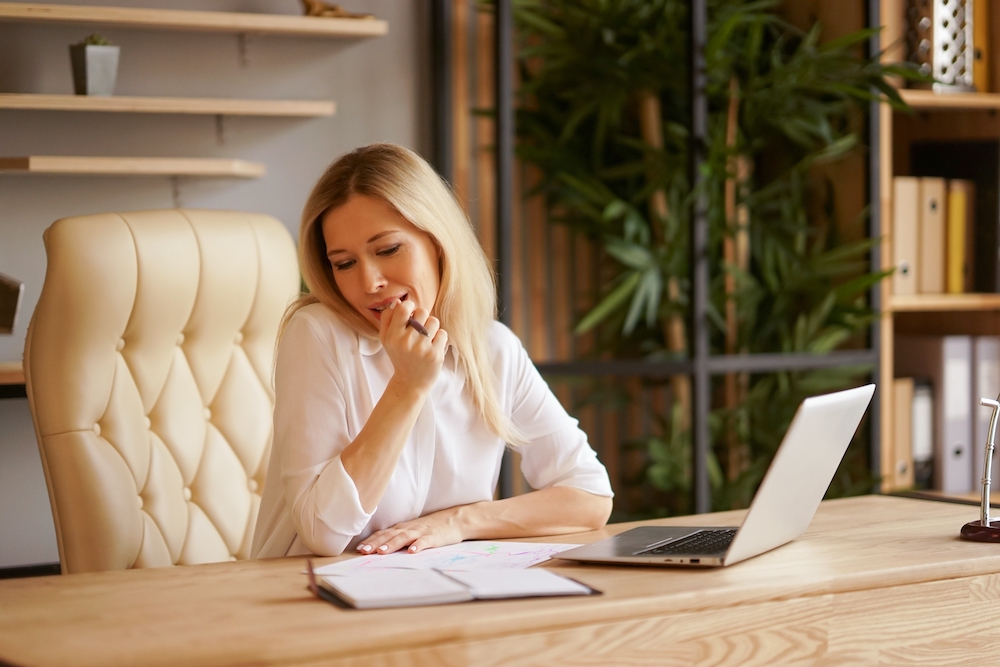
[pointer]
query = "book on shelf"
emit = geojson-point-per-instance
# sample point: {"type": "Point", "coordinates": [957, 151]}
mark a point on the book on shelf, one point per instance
{"type": "Point", "coordinates": [977, 161]}
{"type": "Point", "coordinates": [922, 434]}
{"type": "Point", "coordinates": [905, 195]}
{"type": "Point", "coordinates": [961, 232]}
{"type": "Point", "coordinates": [383, 588]}
{"type": "Point", "coordinates": [946, 361]}
{"type": "Point", "coordinates": [982, 45]}
{"type": "Point", "coordinates": [902, 464]}
{"type": "Point", "coordinates": [932, 235]}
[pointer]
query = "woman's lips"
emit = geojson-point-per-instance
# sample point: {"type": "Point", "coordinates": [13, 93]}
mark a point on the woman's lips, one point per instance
{"type": "Point", "coordinates": [378, 313]}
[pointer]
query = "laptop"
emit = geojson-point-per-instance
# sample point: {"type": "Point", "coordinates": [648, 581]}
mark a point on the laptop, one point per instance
{"type": "Point", "coordinates": [781, 510]}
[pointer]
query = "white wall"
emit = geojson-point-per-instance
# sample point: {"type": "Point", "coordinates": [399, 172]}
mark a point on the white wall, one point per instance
{"type": "Point", "coordinates": [381, 89]}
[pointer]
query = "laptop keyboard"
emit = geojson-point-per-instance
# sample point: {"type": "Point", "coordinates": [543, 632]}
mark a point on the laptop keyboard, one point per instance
{"type": "Point", "coordinates": [702, 542]}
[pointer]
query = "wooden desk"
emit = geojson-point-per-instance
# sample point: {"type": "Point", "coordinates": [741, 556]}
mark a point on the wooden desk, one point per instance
{"type": "Point", "coordinates": [874, 580]}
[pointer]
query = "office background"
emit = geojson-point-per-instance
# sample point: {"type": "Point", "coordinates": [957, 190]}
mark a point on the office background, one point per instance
{"type": "Point", "coordinates": [381, 89]}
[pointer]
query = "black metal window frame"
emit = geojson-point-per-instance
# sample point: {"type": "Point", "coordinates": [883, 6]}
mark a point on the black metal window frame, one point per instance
{"type": "Point", "coordinates": [702, 365]}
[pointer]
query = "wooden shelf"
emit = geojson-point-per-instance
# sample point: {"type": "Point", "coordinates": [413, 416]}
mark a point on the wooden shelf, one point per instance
{"type": "Point", "coordinates": [11, 372]}
{"type": "Point", "coordinates": [172, 19]}
{"type": "Point", "coordinates": [174, 105]}
{"type": "Point", "coordinates": [943, 302]}
{"type": "Point", "coordinates": [131, 166]}
{"type": "Point", "coordinates": [927, 100]}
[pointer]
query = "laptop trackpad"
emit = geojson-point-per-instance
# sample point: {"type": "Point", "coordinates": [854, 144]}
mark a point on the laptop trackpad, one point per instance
{"type": "Point", "coordinates": [630, 542]}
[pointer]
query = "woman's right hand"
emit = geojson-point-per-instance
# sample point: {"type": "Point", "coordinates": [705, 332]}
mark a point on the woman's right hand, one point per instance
{"type": "Point", "coordinates": [416, 358]}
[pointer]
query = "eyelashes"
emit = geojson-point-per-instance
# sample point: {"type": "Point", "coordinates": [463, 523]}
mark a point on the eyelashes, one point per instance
{"type": "Point", "coordinates": [387, 252]}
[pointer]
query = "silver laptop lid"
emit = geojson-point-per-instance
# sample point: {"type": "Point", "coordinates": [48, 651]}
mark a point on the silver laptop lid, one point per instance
{"type": "Point", "coordinates": [800, 472]}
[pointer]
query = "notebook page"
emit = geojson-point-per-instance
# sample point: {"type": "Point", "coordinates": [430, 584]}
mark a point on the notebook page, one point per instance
{"type": "Point", "coordinates": [497, 584]}
{"type": "Point", "coordinates": [395, 588]}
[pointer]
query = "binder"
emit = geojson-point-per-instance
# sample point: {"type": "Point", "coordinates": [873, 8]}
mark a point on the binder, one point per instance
{"type": "Point", "coordinates": [922, 434]}
{"type": "Point", "coordinates": [977, 161]}
{"type": "Point", "coordinates": [905, 199]}
{"type": "Point", "coordinates": [961, 236]}
{"type": "Point", "coordinates": [986, 357]}
{"type": "Point", "coordinates": [947, 362]}
{"type": "Point", "coordinates": [902, 466]}
{"type": "Point", "coordinates": [982, 48]}
{"type": "Point", "coordinates": [932, 239]}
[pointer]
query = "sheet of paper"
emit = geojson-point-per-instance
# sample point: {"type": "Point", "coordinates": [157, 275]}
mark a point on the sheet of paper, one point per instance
{"type": "Point", "coordinates": [496, 585]}
{"type": "Point", "coordinates": [464, 556]}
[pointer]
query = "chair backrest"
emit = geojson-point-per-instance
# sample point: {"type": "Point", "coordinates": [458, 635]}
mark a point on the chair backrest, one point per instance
{"type": "Point", "coordinates": [148, 369]}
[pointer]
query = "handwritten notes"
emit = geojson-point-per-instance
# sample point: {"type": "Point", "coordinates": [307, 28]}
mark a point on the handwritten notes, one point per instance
{"type": "Point", "coordinates": [461, 557]}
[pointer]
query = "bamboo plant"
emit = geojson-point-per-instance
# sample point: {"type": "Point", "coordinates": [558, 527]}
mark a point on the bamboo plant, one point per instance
{"type": "Point", "coordinates": [604, 116]}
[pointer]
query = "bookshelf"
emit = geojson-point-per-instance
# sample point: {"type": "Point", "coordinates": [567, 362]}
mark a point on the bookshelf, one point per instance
{"type": "Point", "coordinates": [936, 116]}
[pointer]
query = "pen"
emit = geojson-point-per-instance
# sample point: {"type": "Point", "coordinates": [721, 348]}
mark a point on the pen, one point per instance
{"type": "Point", "coordinates": [418, 327]}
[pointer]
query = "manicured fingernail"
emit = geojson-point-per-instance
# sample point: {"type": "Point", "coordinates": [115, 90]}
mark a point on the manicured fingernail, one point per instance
{"type": "Point", "coordinates": [412, 548]}
{"type": "Point", "coordinates": [365, 547]}
{"type": "Point", "coordinates": [383, 548]}
{"type": "Point", "coordinates": [393, 304]}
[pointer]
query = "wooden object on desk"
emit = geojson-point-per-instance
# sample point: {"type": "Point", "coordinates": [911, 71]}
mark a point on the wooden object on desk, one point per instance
{"type": "Point", "coordinates": [11, 372]}
{"type": "Point", "coordinates": [171, 105]}
{"type": "Point", "coordinates": [131, 166]}
{"type": "Point", "coordinates": [173, 19]}
{"type": "Point", "coordinates": [874, 580]}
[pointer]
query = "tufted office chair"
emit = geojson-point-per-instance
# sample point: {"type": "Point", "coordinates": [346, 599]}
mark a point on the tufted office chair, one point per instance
{"type": "Point", "coordinates": [148, 369]}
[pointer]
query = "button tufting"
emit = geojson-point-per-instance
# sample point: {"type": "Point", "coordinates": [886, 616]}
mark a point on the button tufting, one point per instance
{"type": "Point", "coordinates": [239, 337]}
{"type": "Point", "coordinates": [97, 429]}
{"type": "Point", "coordinates": [139, 498]}
{"type": "Point", "coordinates": [252, 485]}
{"type": "Point", "coordinates": [120, 345]}
{"type": "Point", "coordinates": [180, 339]}
{"type": "Point", "coordinates": [187, 493]}
{"type": "Point", "coordinates": [208, 413]}
{"type": "Point", "coordinates": [149, 423]}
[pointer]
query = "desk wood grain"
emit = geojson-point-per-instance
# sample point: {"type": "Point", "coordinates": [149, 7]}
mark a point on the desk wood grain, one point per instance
{"type": "Point", "coordinates": [874, 580]}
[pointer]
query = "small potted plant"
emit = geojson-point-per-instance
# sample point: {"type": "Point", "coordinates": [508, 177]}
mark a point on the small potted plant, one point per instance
{"type": "Point", "coordinates": [95, 66]}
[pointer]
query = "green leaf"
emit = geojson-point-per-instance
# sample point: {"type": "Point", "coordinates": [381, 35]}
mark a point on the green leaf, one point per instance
{"type": "Point", "coordinates": [609, 304]}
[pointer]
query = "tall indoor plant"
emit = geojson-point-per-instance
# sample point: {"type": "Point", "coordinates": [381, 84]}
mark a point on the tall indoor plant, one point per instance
{"type": "Point", "coordinates": [604, 116]}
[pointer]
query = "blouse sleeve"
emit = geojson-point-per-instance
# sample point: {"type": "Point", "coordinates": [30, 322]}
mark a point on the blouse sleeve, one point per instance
{"type": "Point", "coordinates": [556, 452]}
{"type": "Point", "coordinates": [310, 432]}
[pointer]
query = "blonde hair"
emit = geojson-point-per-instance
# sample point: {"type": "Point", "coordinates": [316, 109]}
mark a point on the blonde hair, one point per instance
{"type": "Point", "coordinates": [466, 301]}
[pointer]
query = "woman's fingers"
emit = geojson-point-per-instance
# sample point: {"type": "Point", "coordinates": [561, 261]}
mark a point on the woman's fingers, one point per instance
{"type": "Point", "coordinates": [390, 541]}
{"type": "Point", "coordinates": [386, 542]}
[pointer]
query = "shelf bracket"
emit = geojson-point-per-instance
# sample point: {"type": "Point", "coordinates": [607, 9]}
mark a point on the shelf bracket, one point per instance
{"type": "Point", "coordinates": [241, 50]}
{"type": "Point", "coordinates": [220, 129]}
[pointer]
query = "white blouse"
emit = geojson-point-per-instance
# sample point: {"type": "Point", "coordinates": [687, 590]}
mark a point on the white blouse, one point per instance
{"type": "Point", "coordinates": [327, 381]}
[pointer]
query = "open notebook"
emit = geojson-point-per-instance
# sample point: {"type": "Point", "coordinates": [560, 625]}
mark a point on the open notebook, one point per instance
{"type": "Point", "coordinates": [378, 589]}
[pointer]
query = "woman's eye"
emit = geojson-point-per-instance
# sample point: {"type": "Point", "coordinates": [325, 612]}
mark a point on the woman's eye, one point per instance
{"type": "Point", "coordinates": [340, 266]}
{"type": "Point", "coordinates": [389, 251]}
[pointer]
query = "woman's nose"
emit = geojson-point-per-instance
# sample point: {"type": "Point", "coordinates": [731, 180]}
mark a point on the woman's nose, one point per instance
{"type": "Point", "coordinates": [373, 278]}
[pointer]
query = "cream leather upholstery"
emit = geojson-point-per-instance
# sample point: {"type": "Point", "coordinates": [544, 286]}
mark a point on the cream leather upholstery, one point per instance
{"type": "Point", "coordinates": [148, 366]}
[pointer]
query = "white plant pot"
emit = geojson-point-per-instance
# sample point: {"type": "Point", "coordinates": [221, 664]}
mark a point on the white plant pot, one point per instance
{"type": "Point", "coordinates": [95, 69]}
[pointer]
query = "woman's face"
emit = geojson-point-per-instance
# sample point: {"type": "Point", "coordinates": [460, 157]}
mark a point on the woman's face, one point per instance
{"type": "Point", "coordinates": [378, 256]}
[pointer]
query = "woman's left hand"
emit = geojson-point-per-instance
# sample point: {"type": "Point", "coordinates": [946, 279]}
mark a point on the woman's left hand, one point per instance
{"type": "Point", "coordinates": [432, 530]}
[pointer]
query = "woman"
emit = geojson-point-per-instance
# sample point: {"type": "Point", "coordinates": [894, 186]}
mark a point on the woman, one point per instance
{"type": "Point", "coordinates": [396, 389]}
